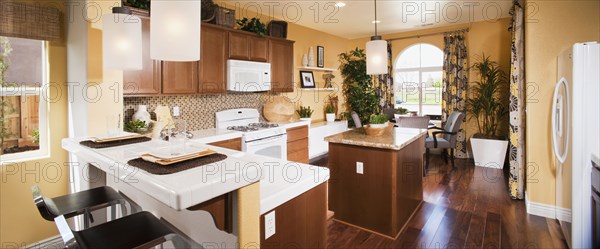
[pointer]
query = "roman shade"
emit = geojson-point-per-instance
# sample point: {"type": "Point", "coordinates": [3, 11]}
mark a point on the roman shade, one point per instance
{"type": "Point", "coordinates": [30, 20]}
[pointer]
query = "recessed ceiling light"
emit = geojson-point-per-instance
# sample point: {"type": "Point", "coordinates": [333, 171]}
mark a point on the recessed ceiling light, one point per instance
{"type": "Point", "coordinates": [340, 4]}
{"type": "Point", "coordinates": [376, 21]}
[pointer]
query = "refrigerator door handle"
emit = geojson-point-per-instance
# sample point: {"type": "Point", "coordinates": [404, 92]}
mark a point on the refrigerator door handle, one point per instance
{"type": "Point", "coordinates": [557, 119]}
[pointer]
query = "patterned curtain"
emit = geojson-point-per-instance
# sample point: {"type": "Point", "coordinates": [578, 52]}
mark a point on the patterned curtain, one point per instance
{"type": "Point", "coordinates": [384, 84]}
{"type": "Point", "coordinates": [517, 105]}
{"type": "Point", "coordinates": [455, 81]}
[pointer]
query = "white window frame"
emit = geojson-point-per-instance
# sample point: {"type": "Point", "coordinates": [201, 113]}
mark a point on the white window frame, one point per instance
{"type": "Point", "coordinates": [44, 108]}
{"type": "Point", "coordinates": [420, 70]}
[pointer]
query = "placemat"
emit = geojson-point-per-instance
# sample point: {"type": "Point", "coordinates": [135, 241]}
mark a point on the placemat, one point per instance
{"type": "Point", "coordinates": [158, 169]}
{"type": "Point", "coordinates": [94, 145]}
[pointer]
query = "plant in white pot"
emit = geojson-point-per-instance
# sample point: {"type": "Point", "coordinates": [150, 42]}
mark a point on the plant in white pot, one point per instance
{"type": "Point", "coordinates": [329, 112]}
{"type": "Point", "coordinates": [378, 125]}
{"type": "Point", "coordinates": [486, 107]}
{"type": "Point", "coordinates": [305, 113]}
{"type": "Point", "coordinates": [400, 112]}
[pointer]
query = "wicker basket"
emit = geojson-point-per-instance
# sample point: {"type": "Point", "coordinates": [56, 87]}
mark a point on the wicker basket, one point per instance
{"type": "Point", "coordinates": [377, 132]}
{"type": "Point", "coordinates": [225, 17]}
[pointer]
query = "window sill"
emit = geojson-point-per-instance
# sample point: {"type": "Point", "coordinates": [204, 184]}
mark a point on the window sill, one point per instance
{"type": "Point", "coordinates": [24, 157]}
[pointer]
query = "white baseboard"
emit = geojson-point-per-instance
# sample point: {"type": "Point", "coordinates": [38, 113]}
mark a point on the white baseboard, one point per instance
{"type": "Point", "coordinates": [540, 209]}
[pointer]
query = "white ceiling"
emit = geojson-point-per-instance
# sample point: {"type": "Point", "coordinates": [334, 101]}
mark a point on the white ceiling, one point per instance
{"type": "Point", "coordinates": [355, 19]}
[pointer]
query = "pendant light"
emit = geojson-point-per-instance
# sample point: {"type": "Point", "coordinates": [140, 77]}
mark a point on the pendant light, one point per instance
{"type": "Point", "coordinates": [175, 30]}
{"type": "Point", "coordinates": [121, 40]}
{"type": "Point", "coordinates": [377, 62]}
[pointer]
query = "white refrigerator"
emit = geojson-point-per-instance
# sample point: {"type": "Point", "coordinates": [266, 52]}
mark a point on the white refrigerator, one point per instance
{"type": "Point", "coordinates": [575, 138]}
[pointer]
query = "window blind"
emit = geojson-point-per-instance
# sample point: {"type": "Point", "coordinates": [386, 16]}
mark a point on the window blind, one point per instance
{"type": "Point", "coordinates": [30, 20]}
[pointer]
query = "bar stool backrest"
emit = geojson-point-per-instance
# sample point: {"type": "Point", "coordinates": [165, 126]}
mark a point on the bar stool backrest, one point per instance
{"type": "Point", "coordinates": [44, 205]}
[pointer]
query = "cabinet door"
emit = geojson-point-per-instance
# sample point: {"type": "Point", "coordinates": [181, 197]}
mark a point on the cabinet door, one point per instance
{"type": "Point", "coordinates": [281, 57]}
{"type": "Point", "coordinates": [259, 49]}
{"type": "Point", "coordinates": [147, 80]}
{"type": "Point", "coordinates": [179, 77]}
{"type": "Point", "coordinates": [214, 58]}
{"type": "Point", "coordinates": [238, 46]}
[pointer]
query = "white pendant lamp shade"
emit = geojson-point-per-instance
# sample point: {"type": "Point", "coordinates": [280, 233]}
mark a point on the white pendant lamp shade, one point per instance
{"type": "Point", "coordinates": [121, 42]}
{"type": "Point", "coordinates": [175, 30]}
{"type": "Point", "coordinates": [377, 57]}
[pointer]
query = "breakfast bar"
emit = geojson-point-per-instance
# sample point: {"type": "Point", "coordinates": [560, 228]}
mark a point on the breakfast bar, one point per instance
{"type": "Point", "coordinates": [376, 181]}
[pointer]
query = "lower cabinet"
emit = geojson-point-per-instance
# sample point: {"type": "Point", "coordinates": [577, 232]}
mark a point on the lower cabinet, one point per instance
{"type": "Point", "coordinates": [297, 144]}
{"type": "Point", "coordinates": [233, 144]}
{"type": "Point", "coordinates": [299, 223]}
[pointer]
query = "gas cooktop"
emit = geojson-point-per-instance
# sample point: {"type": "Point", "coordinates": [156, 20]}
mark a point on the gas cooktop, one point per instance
{"type": "Point", "coordinates": [252, 127]}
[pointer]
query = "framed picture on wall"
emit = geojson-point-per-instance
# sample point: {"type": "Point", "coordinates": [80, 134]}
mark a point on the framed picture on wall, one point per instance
{"type": "Point", "coordinates": [307, 79]}
{"type": "Point", "coordinates": [320, 56]}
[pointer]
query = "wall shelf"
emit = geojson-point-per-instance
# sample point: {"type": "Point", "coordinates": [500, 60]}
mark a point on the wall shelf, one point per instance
{"type": "Point", "coordinates": [319, 89]}
{"type": "Point", "coordinates": [326, 69]}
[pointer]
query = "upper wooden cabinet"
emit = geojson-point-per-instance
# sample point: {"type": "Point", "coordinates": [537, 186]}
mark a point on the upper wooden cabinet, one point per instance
{"type": "Point", "coordinates": [213, 65]}
{"type": "Point", "coordinates": [244, 46]}
{"type": "Point", "coordinates": [281, 57]}
{"type": "Point", "coordinates": [179, 77]}
{"type": "Point", "coordinates": [145, 81]}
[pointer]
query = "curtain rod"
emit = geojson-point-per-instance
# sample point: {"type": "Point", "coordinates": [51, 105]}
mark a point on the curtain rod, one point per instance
{"type": "Point", "coordinates": [430, 34]}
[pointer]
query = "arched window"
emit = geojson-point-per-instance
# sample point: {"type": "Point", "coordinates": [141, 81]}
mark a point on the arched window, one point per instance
{"type": "Point", "coordinates": [418, 79]}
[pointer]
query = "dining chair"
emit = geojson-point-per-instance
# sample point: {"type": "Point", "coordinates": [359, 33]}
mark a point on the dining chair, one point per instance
{"type": "Point", "coordinates": [420, 122]}
{"type": "Point", "coordinates": [356, 119]}
{"type": "Point", "coordinates": [448, 140]}
{"type": "Point", "coordinates": [80, 203]}
{"type": "Point", "coordinates": [390, 112]}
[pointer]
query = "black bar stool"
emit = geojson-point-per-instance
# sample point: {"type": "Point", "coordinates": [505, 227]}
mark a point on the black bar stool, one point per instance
{"type": "Point", "coordinates": [79, 203]}
{"type": "Point", "coordinates": [139, 230]}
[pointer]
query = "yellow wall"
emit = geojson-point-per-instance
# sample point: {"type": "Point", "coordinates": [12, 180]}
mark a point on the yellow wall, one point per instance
{"type": "Point", "coordinates": [489, 38]}
{"type": "Point", "coordinates": [552, 27]}
{"type": "Point", "coordinates": [21, 223]}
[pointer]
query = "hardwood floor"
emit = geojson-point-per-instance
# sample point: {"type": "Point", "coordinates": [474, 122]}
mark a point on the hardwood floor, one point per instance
{"type": "Point", "coordinates": [467, 207]}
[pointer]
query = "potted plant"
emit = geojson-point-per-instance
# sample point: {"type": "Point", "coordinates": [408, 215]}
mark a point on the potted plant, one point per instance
{"type": "Point", "coordinates": [378, 125]}
{"type": "Point", "coordinates": [357, 86]}
{"type": "Point", "coordinates": [486, 107]}
{"type": "Point", "coordinates": [329, 112]}
{"type": "Point", "coordinates": [305, 113]}
{"type": "Point", "coordinates": [399, 112]}
{"type": "Point", "coordinates": [253, 25]}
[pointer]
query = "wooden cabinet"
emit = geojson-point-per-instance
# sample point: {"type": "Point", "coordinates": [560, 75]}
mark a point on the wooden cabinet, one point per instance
{"type": "Point", "coordinates": [179, 77]}
{"type": "Point", "coordinates": [297, 144]}
{"type": "Point", "coordinates": [213, 65]}
{"type": "Point", "coordinates": [145, 81]}
{"type": "Point", "coordinates": [300, 222]}
{"type": "Point", "coordinates": [233, 144]}
{"type": "Point", "coordinates": [244, 46]}
{"type": "Point", "coordinates": [281, 57]}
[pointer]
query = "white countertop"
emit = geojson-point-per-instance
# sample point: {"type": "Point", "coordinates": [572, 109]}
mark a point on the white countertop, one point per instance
{"type": "Point", "coordinates": [280, 181]}
{"type": "Point", "coordinates": [293, 124]}
{"type": "Point", "coordinates": [214, 135]}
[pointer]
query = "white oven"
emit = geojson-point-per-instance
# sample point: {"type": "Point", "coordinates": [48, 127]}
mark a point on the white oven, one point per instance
{"type": "Point", "coordinates": [273, 146]}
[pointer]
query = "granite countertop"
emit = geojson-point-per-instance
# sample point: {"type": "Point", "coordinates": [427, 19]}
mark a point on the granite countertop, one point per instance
{"type": "Point", "coordinates": [397, 139]}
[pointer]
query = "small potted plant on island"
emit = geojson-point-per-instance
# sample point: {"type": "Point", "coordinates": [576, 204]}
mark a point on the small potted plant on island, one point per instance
{"type": "Point", "coordinates": [378, 125]}
{"type": "Point", "coordinates": [400, 112]}
{"type": "Point", "coordinates": [485, 105]}
{"type": "Point", "coordinates": [329, 112]}
{"type": "Point", "coordinates": [305, 113]}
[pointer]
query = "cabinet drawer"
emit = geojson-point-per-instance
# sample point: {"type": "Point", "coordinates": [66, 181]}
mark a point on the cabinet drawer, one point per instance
{"type": "Point", "coordinates": [233, 144]}
{"type": "Point", "coordinates": [297, 133]}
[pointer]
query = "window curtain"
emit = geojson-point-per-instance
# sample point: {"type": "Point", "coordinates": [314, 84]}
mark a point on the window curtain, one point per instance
{"type": "Point", "coordinates": [455, 81]}
{"type": "Point", "coordinates": [384, 84]}
{"type": "Point", "coordinates": [517, 105]}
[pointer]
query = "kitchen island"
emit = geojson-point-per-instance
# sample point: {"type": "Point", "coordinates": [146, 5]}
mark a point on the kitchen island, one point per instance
{"type": "Point", "coordinates": [218, 205]}
{"type": "Point", "coordinates": [376, 182]}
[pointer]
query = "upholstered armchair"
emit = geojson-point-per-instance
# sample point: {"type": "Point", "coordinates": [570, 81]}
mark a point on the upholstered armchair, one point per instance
{"type": "Point", "coordinates": [448, 140]}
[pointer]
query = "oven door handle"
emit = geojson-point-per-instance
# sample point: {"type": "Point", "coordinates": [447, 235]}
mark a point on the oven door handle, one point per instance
{"type": "Point", "coordinates": [265, 140]}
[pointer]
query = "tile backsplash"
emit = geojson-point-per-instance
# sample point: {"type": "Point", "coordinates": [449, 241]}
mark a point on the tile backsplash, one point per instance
{"type": "Point", "coordinates": [198, 110]}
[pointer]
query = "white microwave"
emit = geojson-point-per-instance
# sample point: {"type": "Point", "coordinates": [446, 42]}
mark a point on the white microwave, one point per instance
{"type": "Point", "coordinates": [248, 76]}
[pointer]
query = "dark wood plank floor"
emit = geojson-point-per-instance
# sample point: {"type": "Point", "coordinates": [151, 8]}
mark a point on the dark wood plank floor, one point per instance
{"type": "Point", "coordinates": [467, 207]}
